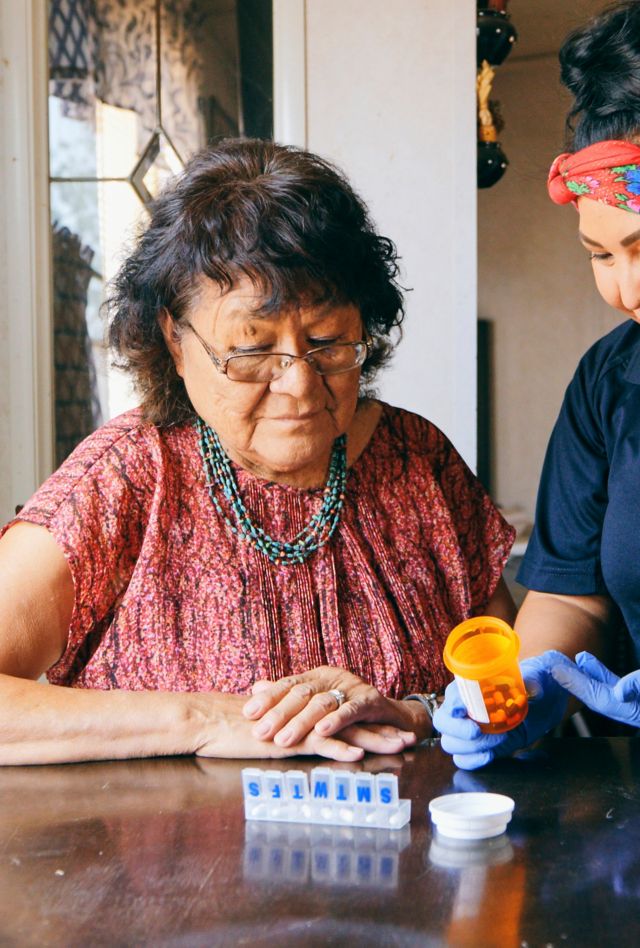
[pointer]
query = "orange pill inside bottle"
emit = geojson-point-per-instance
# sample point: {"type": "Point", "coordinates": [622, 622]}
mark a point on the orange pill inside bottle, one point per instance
{"type": "Point", "coordinates": [482, 653]}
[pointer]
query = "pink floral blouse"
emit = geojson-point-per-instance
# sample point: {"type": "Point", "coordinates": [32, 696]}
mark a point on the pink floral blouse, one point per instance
{"type": "Point", "coordinates": [168, 598]}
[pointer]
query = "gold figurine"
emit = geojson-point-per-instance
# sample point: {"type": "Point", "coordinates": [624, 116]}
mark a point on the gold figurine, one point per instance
{"type": "Point", "coordinates": [486, 127]}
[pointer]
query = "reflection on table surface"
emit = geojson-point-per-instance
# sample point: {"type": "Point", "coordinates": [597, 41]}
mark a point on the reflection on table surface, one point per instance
{"type": "Point", "coordinates": [333, 855]}
{"type": "Point", "coordinates": [158, 852]}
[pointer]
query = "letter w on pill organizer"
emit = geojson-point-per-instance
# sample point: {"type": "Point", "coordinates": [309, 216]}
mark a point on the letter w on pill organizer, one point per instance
{"type": "Point", "coordinates": [333, 797]}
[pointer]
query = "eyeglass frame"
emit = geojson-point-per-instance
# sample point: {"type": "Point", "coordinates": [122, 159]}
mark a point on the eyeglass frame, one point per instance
{"type": "Point", "coordinates": [223, 364]}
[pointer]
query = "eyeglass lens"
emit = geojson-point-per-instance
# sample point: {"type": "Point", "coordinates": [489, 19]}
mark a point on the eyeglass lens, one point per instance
{"type": "Point", "coordinates": [264, 367]}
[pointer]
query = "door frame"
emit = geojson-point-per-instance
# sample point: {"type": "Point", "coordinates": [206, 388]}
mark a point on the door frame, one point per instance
{"type": "Point", "coordinates": [290, 72]}
{"type": "Point", "coordinates": [25, 275]}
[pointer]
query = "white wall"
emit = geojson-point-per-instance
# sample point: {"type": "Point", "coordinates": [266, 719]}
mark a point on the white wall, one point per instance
{"type": "Point", "coordinates": [389, 90]}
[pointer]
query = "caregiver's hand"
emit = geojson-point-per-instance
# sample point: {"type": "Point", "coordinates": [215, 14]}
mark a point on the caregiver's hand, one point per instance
{"type": "Point", "coordinates": [287, 710]}
{"type": "Point", "coordinates": [472, 748]}
{"type": "Point", "coordinates": [597, 687]}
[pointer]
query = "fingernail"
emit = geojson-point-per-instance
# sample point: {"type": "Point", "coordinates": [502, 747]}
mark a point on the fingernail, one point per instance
{"type": "Point", "coordinates": [261, 729]}
{"type": "Point", "coordinates": [252, 706]}
{"type": "Point", "coordinates": [285, 736]}
{"type": "Point", "coordinates": [322, 726]}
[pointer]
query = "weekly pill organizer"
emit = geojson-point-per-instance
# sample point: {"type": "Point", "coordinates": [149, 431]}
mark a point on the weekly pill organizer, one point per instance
{"type": "Point", "coordinates": [341, 798]}
{"type": "Point", "coordinates": [332, 797]}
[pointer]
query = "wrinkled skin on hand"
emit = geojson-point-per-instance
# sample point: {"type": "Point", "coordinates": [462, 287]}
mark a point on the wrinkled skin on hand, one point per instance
{"type": "Point", "coordinates": [288, 710]}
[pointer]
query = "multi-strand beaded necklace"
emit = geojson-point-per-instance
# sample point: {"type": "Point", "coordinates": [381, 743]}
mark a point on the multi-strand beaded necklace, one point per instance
{"type": "Point", "coordinates": [318, 531]}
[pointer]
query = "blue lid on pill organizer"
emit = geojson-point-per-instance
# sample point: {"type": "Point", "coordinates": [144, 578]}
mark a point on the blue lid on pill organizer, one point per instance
{"type": "Point", "coordinates": [471, 815]}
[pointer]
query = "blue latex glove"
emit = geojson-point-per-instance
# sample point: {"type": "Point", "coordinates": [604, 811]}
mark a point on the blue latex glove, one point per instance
{"type": "Point", "coordinates": [597, 687]}
{"type": "Point", "coordinates": [472, 748]}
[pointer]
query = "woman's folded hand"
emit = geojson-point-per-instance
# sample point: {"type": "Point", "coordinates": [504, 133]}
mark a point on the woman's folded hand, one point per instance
{"type": "Point", "coordinates": [292, 709]}
{"type": "Point", "coordinates": [221, 730]}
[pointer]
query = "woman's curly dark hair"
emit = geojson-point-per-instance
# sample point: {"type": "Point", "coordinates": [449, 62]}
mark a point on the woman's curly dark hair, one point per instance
{"type": "Point", "coordinates": [283, 217]}
{"type": "Point", "coordinates": [600, 66]}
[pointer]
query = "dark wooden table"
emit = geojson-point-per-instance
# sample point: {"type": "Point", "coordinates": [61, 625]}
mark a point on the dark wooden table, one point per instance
{"type": "Point", "coordinates": [158, 853]}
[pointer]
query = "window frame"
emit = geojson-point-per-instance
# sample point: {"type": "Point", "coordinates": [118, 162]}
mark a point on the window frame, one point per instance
{"type": "Point", "coordinates": [25, 241]}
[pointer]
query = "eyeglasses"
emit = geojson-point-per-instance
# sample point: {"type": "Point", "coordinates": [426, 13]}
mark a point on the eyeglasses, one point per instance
{"type": "Point", "coordinates": [268, 366]}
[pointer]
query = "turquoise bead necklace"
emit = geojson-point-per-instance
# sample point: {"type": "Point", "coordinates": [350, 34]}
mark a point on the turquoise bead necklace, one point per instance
{"type": "Point", "coordinates": [318, 531]}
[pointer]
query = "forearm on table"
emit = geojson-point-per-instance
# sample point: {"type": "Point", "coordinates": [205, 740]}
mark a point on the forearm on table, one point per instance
{"type": "Point", "coordinates": [42, 724]}
{"type": "Point", "coordinates": [569, 624]}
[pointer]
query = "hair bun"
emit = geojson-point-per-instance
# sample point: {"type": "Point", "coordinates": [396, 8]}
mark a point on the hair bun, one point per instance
{"type": "Point", "coordinates": [600, 66]}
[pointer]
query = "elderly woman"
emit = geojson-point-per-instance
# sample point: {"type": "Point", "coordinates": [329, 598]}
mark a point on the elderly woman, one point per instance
{"type": "Point", "coordinates": [259, 522]}
{"type": "Point", "coordinates": [582, 565]}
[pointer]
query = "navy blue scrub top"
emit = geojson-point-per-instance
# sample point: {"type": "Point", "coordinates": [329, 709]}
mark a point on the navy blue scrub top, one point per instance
{"type": "Point", "coordinates": [586, 537]}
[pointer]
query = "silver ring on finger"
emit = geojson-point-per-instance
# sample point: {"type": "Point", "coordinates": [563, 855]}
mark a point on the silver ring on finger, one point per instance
{"type": "Point", "coordinates": [340, 696]}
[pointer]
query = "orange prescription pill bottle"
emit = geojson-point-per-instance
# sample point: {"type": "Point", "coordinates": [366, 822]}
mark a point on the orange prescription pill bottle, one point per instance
{"type": "Point", "coordinates": [482, 653]}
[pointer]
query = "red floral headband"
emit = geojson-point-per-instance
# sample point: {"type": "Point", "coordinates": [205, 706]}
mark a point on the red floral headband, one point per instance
{"type": "Point", "coordinates": [608, 172]}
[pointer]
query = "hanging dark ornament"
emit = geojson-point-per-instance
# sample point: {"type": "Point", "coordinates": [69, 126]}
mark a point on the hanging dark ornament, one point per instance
{"type": "Point", "coordinates": [492, 163]}
{"type": "Point", "coordinates": [495, 34]}
{"type": "Point", "coordinates": [491, 160]}
{"type": "Point", "coordinates": [495, 37]}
